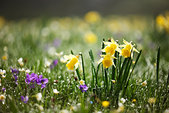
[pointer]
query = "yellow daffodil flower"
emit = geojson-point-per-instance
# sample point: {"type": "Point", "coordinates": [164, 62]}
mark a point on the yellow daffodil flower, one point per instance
{"type": "Point", "coordinates": [127, 49]}
{"type": "Point", "coordinates": [72, 61]}
{"type": "Point", "coordinates": [111, 47]}
{"type": "Point", "coordinates": [107, 60]}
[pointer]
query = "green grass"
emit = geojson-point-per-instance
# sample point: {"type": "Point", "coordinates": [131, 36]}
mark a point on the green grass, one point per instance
{"type": "Point", "coordinates": [33, 41]}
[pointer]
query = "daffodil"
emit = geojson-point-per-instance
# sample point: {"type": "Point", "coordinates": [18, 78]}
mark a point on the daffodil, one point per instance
{"type": "Point", "coordinates": [73, 61]}
{"type": "Point", "coordinates": [111, 47]}
{"type": "Point", "coordinates": [92, 17]}
{"type": "Point", "coordinates": [128, 49]}
{"type": "Point", "coordinates": [107, 60]}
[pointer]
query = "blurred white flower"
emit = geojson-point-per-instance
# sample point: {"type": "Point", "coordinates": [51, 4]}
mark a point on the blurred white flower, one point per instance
{"type": "Point", "coordinates": [21, 69]}
{"type": "Point", "coordinates": [27, 71]}
{"type": "Point", "coordinates": [40, 107]}
{"type": "Point", "coordinates": [122, 100]}
{"type": "Point", "coordinates": [47, 63]}
{"type": "Point", "coordinates": [59, 54]}
{"type": "Point", "coordinates": [2, 73]}
{"type": "Point", "coordinates": [64, 111]}
{"type": "Point", "coordinates": [55, 91]}
{"type": "Point", "coordinates": [38, 96]}
{"type": "Point", "coordinates": [20, 61]}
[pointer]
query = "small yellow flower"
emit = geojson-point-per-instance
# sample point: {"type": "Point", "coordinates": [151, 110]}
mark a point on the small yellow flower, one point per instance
{"type": "Point", "coordinates": [4, 57]}
{"type": "Point", "coordinates": [90, 38]}
{"type": "Point", "coordinates": [105, 104]}
{"type": "Point", "coordinates": [134, 100]}
{"type": "Point", "coordinates": [152, 100]}
{"type": "Point", "coordinates": [92, 17]}
{"type": "Point", "coordinates": [73, 61]}
{"type": "Point", "coordinates": [111, 47]}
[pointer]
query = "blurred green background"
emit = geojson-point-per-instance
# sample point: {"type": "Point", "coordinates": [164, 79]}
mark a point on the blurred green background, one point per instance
{"type": "Point", "coordinates": [16, 9]}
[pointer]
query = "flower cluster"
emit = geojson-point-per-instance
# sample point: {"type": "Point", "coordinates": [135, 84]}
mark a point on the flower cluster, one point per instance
{"type": "Point", "coordinates": [110, 49]}
{"type": "Point", "coordinates": [35, 79]}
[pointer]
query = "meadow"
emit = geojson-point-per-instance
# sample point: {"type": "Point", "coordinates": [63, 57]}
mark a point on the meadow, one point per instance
{"type": "Point", "coordinates": [87, 64]}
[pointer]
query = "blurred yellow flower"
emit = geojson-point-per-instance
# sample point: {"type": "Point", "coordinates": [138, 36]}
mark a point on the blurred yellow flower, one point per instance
{"type": "Point", "coordinates": [72, 61]}
{"type": "Point", "coordinates": [4, 57]}
{"type": "Point", "coordinates": [152, 100]}
{"type": "Point", "coordinates": [2, 21]}
{"type": "Point", "coordinates": [160, 20]}
{"type": "Point", "coordinates": [92, 17]}
{"type": "Point", "coordinates": [90, 38]}
{"type": "Point", "coordinates": [163, 22]}
{"type": "Point", "coordinates": [105, 104]}
{"type": "Point", "coordinates": [134, 100]}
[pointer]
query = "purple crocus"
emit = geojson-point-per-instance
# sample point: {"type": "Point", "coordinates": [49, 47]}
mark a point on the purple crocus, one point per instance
{"type": "Point", "coordinates": [83, 88]}
{"type": "Point", "coordinates": [24, 99]}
